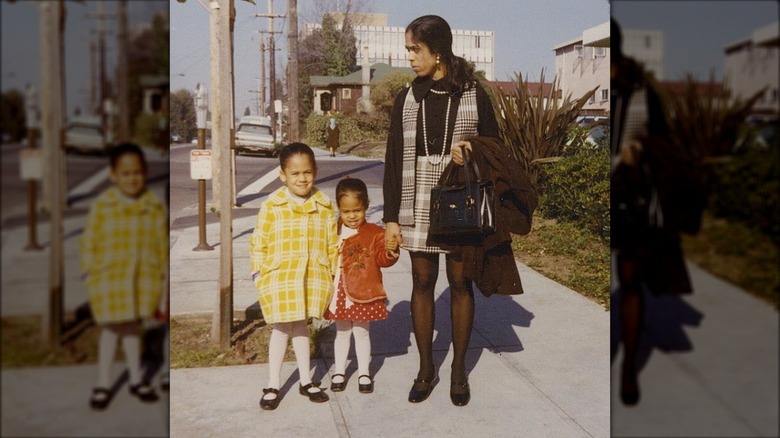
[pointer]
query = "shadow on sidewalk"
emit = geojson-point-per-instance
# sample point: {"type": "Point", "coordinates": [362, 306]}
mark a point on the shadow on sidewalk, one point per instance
{"type": "Point", "coordinates": [663, 326]}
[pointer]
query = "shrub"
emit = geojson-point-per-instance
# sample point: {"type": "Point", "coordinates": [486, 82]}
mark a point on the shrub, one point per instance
{"type": "Point", "coordinates": [577, 190]}
{"type": "Point", "coordinates": [747, 188]}
{"type": "Point", "coordinates": [352, 129]}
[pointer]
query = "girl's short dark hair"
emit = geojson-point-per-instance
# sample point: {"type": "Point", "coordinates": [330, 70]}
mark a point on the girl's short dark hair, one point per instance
{"type": "Point", "coordinates": [295, 149]}
{"type": "Point", "coordinates": [435, 32]}
{"type": "Point", "coordinates": [352, 185]}
{"type": "Point", "coordinates": [125, 148]}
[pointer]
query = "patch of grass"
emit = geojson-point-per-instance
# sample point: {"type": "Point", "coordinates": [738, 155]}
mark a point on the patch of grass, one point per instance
{"type": "Point", "coordinates": [192, 346]}
{"type": "Point", "coordinates": [23, 344]}
{"type": "Point", "coordinates": [568, 254]}
{"type": "Point", "coordinates": [738, 254]}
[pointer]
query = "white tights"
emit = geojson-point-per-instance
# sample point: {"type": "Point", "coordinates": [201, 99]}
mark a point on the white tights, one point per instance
{"type": "Point", "coordinates": [277, 346]}
{"type": "Point", "coordinates": [362, 346]}
{"type": "Point", "coordinates": [131, 344]}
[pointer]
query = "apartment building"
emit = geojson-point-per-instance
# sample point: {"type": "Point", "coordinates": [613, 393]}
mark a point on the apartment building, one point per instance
{"type": "Point", "coordinates": [646, 47]}
{"type": "Point", "coordinates": [581, 64]}
{"type": "Point", "coordinates": [751, 64]}
{"type": "Point", "coordinates": [386, 44]}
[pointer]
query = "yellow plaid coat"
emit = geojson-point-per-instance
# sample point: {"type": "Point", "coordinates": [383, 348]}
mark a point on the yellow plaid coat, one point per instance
{"type": "Point", "coordinates": [293, 252]}
{"type": "Point", "coordinates": [124, 254]}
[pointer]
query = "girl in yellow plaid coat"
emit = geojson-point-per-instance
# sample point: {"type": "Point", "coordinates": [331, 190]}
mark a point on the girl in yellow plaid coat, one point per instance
{"type": "Point", "coordinates": [293, 252]}
{"type": "Point", "coordinates": [124, 261]}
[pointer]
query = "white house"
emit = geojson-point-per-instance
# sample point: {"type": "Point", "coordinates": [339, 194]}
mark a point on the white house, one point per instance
{"type": "Point", "coordinates": [752, 64]}
{"type": "Point", "coordinates": [582, 64]}
{"type": "Point", "coordinates": [647, 47]}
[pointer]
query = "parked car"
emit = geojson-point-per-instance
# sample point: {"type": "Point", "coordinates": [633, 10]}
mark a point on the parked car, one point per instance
{"type": "Point", "coordinates": [253, 136]}
{"type": "Point", "coordinates": [85, 135]}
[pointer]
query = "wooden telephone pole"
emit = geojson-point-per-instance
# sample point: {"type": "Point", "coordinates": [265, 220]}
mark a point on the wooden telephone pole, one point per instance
{"type": "Point", "coordinates": [292, 65]}
{"type": "Point", "coordinates": [272, 60]}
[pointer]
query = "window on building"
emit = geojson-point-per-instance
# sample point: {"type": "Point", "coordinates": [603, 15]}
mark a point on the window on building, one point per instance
{"type": "Point", "coordinates": [346, 93]}
{"type": "Point", "coordinates": [774, 95]}
{"type": "Point", "coordinates": [648, 41]}
{"type": "Point", "coordinates": [592, 98]}
{"type": "Point", "coordinates": [599, 52]}
{"type": "Point", "coordinates": [604, 95]}
{"type": "Point", "coordinates": [476, 42]}
{"type": "Point", "coordinates": [578, 50]}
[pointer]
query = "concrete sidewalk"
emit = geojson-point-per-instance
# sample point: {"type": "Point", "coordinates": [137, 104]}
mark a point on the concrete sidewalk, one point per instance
{"type": "Point", "coordinates": [538, 363]}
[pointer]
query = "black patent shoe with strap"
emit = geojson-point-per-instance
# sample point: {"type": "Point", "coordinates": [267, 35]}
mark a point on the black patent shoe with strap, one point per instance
{"type": "Point", "coordinates": [268, 403]}
{"type": "Point", "coordinates": [314, 392]}
{"type": "Point", "coordinates": [460, 393]}
{"type": "Point", "coordinates": [421, 389]}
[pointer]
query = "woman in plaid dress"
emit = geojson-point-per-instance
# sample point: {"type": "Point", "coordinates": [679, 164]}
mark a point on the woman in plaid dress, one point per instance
{"type": "Point", "coordinates": [429, 123]}
{"type": "Point", "coordinates": [124, 261]}
{"type": "Point", "coordinates": [293, 252]}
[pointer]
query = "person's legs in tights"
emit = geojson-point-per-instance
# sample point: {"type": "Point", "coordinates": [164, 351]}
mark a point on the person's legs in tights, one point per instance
{"type": "Point", "coordinates": [462, 315]}
{"type": "Point", "coordinates": [631, 308]}
{"type": "Point", "coordinates": [425, 270]}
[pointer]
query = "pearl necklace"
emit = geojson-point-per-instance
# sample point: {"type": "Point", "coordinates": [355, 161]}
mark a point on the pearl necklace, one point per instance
{"type": "Point", "coordinates": [446, 129]}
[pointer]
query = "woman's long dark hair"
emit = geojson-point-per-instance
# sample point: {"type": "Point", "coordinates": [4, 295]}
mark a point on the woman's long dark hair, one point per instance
{"type": "Point", "coordinates": [435, 32]}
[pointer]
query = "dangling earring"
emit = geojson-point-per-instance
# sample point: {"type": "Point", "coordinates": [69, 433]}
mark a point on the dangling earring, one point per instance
{"type": "Point", "coordinates": [437, 59]}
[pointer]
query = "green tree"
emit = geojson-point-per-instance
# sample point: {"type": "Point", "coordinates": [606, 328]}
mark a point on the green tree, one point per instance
{"type": "Point", "coordinates": [340, 46]}
{"type": "Point", "coordinates": [182, 113]}
{"type": "Point", "coordinates": [383, 93]}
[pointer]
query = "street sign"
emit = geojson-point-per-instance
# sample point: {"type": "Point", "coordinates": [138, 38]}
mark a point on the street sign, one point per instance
{"type": "Point", "coordinates": [31, 164]}
{"type": "Point", "coordinates": [200, 164]}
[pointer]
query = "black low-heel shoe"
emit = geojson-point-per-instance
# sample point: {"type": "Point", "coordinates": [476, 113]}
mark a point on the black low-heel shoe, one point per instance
{"type": "Point", "coordinates": [460, 393]}
{"type": "Point", "coordinates": [366, 388]}
{"type": "Point", "coordinates": [100, 398]}
{"type": "Point", "coordinates": [144, 392]}
{"type": "Point", "coordinates": [269, 404]}
{"type": "Point", "coordinates": [338, 387]}
{"type": "Point", "coordinates": [316, 397]}
{"type": "Point", "coordinates": [421, 389]}
{"type": "Point", "coordinates": [629, 390]}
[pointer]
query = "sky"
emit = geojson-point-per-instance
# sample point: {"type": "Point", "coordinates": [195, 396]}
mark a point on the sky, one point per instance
{"type": "Point", "coordinates": [21, 42]}
{"type": "Point", "coordinates": [695, 32]}
{"type": "Point", "coordinates": [525, 33]}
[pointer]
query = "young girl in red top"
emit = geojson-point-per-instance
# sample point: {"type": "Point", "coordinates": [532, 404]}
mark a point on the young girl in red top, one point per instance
{"type": "Point", "coordinates": [360, 296]}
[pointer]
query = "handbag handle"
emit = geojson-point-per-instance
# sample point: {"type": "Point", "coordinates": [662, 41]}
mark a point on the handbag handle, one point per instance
{"type": "Point", "coordinates": [466, 162]}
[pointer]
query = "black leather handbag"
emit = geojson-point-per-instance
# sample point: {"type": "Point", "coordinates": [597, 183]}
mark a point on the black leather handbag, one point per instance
{"type": "Point", "coordinates": [462, 209]}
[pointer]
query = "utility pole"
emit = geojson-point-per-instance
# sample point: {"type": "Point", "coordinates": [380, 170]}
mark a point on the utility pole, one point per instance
{"type": "Point", "coordinates": [272, 62]}
{"type": "Point", "coordinates": [262, 76]}
{"type": "Point", "coordinates": [52, 104]}
{"type": "Point", "coordinates": [122, 75]}
{"type": "Point", "coordinates": [292, 64]}
{"type": "Point", "coordinates": [221, 12]}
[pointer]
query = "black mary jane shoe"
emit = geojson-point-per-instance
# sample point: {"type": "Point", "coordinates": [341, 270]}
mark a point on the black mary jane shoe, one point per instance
{"type": "Point", "coordinates": [366, 388]}
{"type": "Point", "coordinates": [144, 392]}
{"type": "Point", "coordinates": [100, 398]}
{"type": "Point", "coordinates": [421, 389]}
{"type": "Point", "coordinates": [269, 404]}
{"type": "Point", "coordinates": [338, 387]}
{"type": "Point", "coordinates": [460, 393]}
{"type": "Point", "coordinates": [316, 396]}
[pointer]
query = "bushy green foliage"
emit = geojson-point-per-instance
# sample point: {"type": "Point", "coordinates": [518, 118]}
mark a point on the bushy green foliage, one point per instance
{"type": "Point", "coordinates": [352, 129]}
{"type": "Point", "coordinates": [151, 130]}
{"type": "Point", "coordinates": [747, 188]}
{"type": "Point", "coordinates": [576, 188]}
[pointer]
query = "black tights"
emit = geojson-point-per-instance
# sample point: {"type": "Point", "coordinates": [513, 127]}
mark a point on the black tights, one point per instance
{"type": "Point", "coordinates": [425, 270]}
{"type": "Point", "coordinates": [629, 267]}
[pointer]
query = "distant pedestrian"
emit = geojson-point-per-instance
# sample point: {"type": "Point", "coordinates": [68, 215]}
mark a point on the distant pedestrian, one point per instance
{"type": "Point", "coordinates": [360, 296]}
{"type": "Point", "coordinates": [333, 136]}
{"type": "Point", "coordinates": [293, 251]}
{"type": "Point", "coordinates": [124, 261]}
